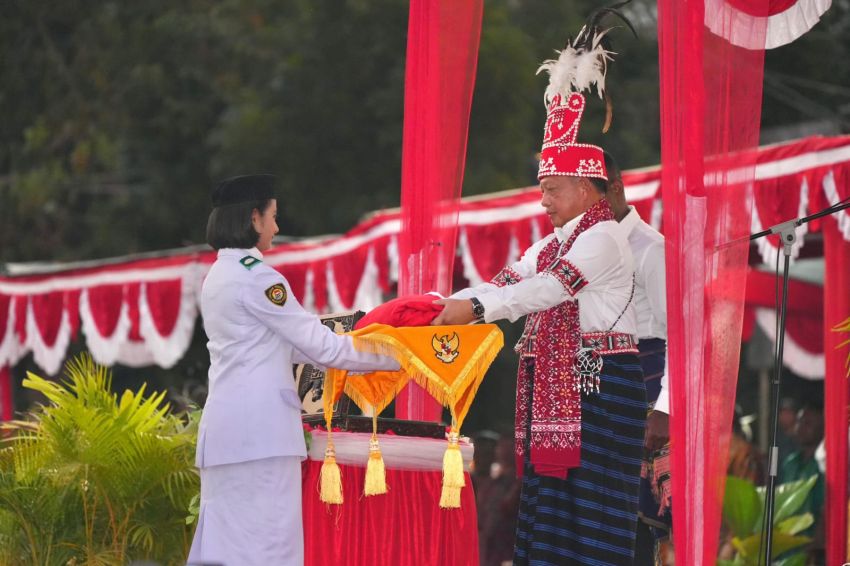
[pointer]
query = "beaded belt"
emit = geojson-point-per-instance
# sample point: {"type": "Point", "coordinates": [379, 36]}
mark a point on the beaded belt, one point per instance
{"type": "Point", "coordinates": [605, 343]}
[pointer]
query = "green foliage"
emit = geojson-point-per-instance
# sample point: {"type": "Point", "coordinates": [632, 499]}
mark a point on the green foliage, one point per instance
{"type": "Point", "coordinates": [94, 479]}
{"type": "Point", "coordinates": [741, 506]}
{"type": "Point", "coordinates": [789, 498]}
{"type": "Point", "coordinates": [743, 509]}
{"type": "Point", "coordinates": [119, 116]}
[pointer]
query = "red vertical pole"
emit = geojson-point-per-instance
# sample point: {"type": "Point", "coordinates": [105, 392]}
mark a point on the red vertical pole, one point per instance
{"type": "Point", "coordinates": [442, 56]}
{"type": "Point", "coordinates": [836, 301]}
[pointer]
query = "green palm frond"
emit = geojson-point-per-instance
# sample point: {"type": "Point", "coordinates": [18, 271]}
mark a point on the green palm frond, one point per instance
{"type": "Point", "coordinates": [96, 478]}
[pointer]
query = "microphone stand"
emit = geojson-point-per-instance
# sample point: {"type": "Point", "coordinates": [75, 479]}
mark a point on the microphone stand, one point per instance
{"type": "Point", "coordinates": [787, 234]}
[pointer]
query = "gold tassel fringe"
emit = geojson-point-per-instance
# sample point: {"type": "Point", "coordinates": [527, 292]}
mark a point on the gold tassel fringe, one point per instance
{"type": "Point", "coordinates": [469, 379]}
{"type": "Point", "coordinates": [376, 475]}
{"type": "Point", "coordinates": [330, 477]}
{"type": "Point", "coordinates": [453, 480]}
{"type": "Point", "coordinates": [450, 498]}
{"type": "Point", "coordinates": [453, 463]}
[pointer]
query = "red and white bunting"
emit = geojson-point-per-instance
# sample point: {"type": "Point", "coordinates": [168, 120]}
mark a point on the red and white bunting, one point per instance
{"type": "Point", "coordinates": [143, 312]}
{"type": "Point", "coordinates": [743, 22]}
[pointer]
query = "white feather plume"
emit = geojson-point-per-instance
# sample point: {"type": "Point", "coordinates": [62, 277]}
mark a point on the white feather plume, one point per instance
{"type": "Point", "coordinates": [577, 70]}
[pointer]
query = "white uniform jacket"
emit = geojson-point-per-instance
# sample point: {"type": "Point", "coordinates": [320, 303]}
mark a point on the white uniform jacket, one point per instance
{"type": "Point", "coordinates": [601, 254]}
{"type": "Point", "coordinates": [257, 330]}
{"type": "Point", "coordinates": [647, 246]}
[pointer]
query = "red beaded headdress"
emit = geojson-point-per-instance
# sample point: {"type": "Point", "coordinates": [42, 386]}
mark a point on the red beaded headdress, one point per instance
{"type": "Point", "coordinates": [561, 154]}
{"type": "Point", "coordinates": [581, 65]}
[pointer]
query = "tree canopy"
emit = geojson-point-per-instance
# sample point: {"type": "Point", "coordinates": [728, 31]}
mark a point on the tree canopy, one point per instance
{"type": "Point", "coordinates": [118, 117]}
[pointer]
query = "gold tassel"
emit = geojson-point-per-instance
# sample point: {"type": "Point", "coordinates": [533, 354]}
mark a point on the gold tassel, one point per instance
{"type": "Point", "coordinates": [331, 478]}
{"type": "Point", "coordinates": [453, 463]}
{"type": "Point", "coordinates": [453, 479]}
{"type": "Point", "coordinates": [450, 498]}
{"type": "Point", "coordinates": [376, 473]}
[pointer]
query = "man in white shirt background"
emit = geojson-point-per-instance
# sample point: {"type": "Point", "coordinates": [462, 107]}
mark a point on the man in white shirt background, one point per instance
{"type": "Point", "coordinates": [647, 246]}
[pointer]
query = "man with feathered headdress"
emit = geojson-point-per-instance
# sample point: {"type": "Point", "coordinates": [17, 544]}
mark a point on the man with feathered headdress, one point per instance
{"type": "Point", "coordinates": [581, 401]}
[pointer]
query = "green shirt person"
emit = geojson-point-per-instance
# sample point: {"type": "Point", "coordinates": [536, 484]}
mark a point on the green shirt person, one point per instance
{"type": "Point", "coordinates": [801, 465]}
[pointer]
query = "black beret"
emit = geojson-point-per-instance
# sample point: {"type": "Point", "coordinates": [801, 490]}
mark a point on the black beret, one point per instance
{"type": "Point", "coordinates": [244, 188]}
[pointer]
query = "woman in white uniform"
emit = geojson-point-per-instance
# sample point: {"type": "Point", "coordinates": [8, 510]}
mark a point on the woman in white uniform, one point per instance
{"type": "Point", "coordinates": [250, 441]}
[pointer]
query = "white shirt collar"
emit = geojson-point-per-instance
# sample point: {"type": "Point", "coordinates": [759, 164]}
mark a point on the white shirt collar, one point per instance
{"type": "Point", "coordinates": [253, 252]}
{"type": "Point", "coordinates": [630, 220]}
{"type": "Point", "coordinates": [564, 232]}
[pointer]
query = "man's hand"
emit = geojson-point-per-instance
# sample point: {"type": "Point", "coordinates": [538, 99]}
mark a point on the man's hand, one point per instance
{"type": "Point", "coordinates": [657, 430]}
{"type": "Point", "coordinates": [455, 312]}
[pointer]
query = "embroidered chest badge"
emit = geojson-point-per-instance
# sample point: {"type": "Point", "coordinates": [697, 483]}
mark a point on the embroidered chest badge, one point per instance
{"type": "Point", "coordinates": [277, 294]}
{"type": "Point", "coordinates": [248, 262]}
{"type": "Point", "coordinates": [445, 348]}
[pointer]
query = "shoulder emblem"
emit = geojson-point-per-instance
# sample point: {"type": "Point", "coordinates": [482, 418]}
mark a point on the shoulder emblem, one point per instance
{"type": "Point", "coordinates": [277, 294]}
{"type": "Point", "coordinates": [249, 261]}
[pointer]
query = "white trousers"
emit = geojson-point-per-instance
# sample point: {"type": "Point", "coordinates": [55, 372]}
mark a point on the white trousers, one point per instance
{"type": "Point", "coordinates": [250, 514]}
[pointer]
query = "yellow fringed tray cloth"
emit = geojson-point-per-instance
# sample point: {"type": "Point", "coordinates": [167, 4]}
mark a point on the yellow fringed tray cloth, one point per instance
{"type": "Point", "coordinates": [449, 362]}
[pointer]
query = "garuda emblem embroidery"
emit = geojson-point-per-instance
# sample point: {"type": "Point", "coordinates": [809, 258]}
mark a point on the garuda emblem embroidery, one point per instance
{"type": "Point", "coordinates": [445, 348]}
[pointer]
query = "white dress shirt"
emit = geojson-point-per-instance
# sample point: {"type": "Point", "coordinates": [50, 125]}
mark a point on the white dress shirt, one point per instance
{"type": "Point", "coordinates": [647, 246]}
{"type": "Point", "coordinates": [257, 330]}
{"type": "Point", "coordinates": [601, 253]}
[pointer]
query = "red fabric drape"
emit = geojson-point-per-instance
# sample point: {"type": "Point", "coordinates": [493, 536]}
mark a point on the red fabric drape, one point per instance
{"type": "Point", "coordinates": [295, 274]}
{"type": "Point", "coordinates": [805, 309]}
{"type": "Point", "coordinates": [382, 260]}
{"type": "Point", "coordinates": [163, 299]}
{"type": "Point", "coordinates": [319, 272]}
{"type": "Point", "coordinates": [21, 303]}
{"type": "Point", "coordinates": [491, 244]}
{"type": "Point", "coordinates": [47, 311]}
{"type": "Point", "coordinates": [405, 527]}
{"type": "Point", "coordinates": [756, 7]}
{"type": "Point", "coordinates": [6, 408]}
{"type": "Point", "coordinates": [132, 297]}
{"type": "Point", "coordinates": [5, 313]}
{"type": "Point", "coordinates": [72, 307]}
{"type": "Point", "coordinates": [771, 210]}
{"type": "Point", "coordinates": [348, 270]}
{"type": "Point", "coordinates": [105, 303]}
{"type": "Point", "coordinates": [804, 299]}
{"type": "Point", "coordinates": [710, 107]}
{"type": "Point", "coordinates": [836, 396]}
{"type": "Point", "coordinates": [442, 57]}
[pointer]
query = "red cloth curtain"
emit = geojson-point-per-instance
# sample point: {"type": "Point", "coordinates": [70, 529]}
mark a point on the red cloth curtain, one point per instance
{"type": "Point", "coordinates": [21, 303]}
{"type": "Point", "coordinates": [164, 303]}
{"type": "Point", "coordinates": [5, 313]}
{"type": "Point", "coordinates": [756, 7]}
{"type": "Point", "coordinates": [836, 396]}
{"type": "Point", "coordinates": [6, 408]}
{"type": "Point", "coordinates": [404, 527]}
{"type": "Point", "coordinates": [710, 108]}
{"type": "Point", "coordinates": [348, 270]}
{"type": "Point", "coordinates": [105, 303]}
{"type": "Point", "coordinates": [490, 244]}
{"type": "Point", "coordinates": [442, 56]}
